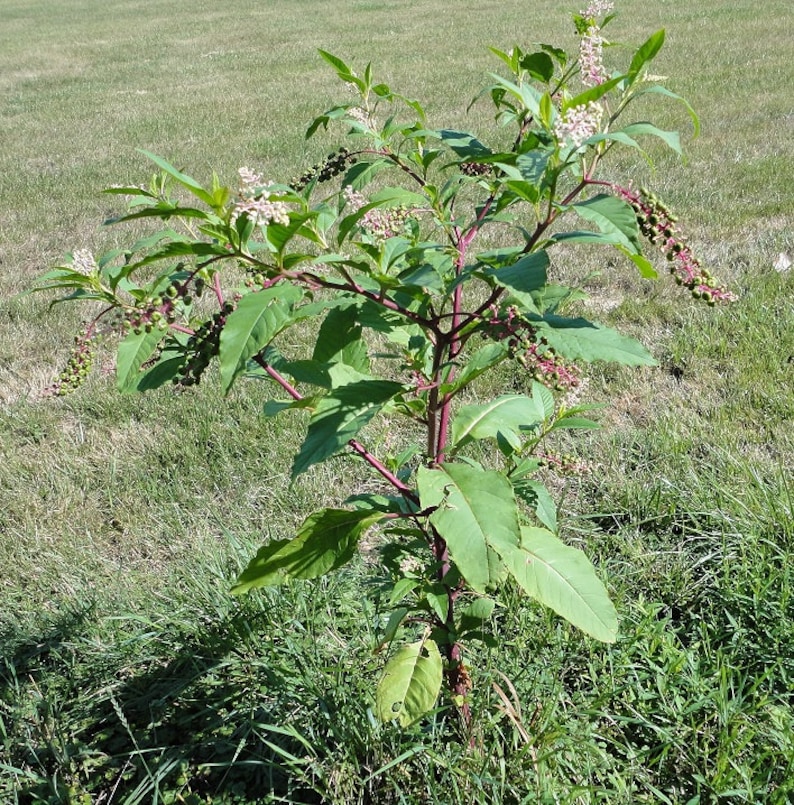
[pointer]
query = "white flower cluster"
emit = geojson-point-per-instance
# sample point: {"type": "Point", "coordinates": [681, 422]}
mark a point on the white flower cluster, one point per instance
{"type": "Point", "coordinates": [361, 116]}
{"type": "Point", "coordinates": [353, 198]}
{"type": "Point", "coordinates": [255, 203]}
{"type": "Point", "coordinates": [83, 261]}
{"type": "Point", "coordinates": [597, 7]}
{"type": "Point", "coordinates": [591, 54]}
{"type": "Point", "coordinates": [578, 123]}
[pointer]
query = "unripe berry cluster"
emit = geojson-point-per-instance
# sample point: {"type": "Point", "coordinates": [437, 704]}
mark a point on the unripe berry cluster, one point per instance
{"type": "Point", "coordinates": [154, 312]}
{"type": "Point", "coordinates": [658, 224]}
{"type": "Point", "coordinates": [202, 347]}
{"type": "Point", "coordinates": [324, 171]}
{"type": "Point", "coordinates": [563, 463]}
{"type": "Point", "coordinates": [534, 354]}
{"type": "Point", "coordinates": [79, 365]}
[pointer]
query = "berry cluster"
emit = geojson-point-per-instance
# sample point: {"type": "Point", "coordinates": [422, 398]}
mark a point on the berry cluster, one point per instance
{"type": "Point", "coordinates": [534, 354]}
{"type": "Point", "coordinates": [156, 311]}
{"type": "Point", "coordinates": [474, 169]}
{"type": "Point", "coordinates": [202, 347]}
{"type": "Point", "coordinates": [563, 463]}
{"type": "Point", "coordinates": [332, 166]}
{"type": "Point", "coordinates": [658, 225]}
{"type": "Point", "coordinates": [79, 365]}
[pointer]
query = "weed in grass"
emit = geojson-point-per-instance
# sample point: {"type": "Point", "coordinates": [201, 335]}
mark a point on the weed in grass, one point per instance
{"type": "Point", "coordinates": [48, 182]}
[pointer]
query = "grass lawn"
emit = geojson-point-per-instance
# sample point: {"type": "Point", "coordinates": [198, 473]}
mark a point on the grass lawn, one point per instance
{"type": "Point", "coordinates": [128, 674]}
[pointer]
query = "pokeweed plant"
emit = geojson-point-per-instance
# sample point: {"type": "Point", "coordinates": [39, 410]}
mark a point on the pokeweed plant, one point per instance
{"type": "Point", "coordinates": [379, 245]}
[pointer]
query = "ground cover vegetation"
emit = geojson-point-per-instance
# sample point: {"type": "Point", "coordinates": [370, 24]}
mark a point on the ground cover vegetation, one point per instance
{"type": "Point", "coordinates": [130, 674]}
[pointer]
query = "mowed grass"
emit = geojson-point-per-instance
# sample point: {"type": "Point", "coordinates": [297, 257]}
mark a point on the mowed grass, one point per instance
{"type": "Point", "coordinates": [128, 674]}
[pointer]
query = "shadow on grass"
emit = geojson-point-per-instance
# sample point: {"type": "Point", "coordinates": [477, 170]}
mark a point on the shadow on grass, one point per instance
{"type": "Point", "coordinates": [171, 715]}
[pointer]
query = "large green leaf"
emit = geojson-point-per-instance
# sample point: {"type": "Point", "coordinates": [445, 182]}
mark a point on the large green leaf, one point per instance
{"type": "Point", "coordinates": [465, 145]}
{"type": "Point", "coordinates": [339, 416]}
{"type": "Point", "coordinates": [411, 683]}
{"type": "Point", "coordinates": [339, 340]}
{"type": "Point", "coordinates": [526, 275]}
{"type": "Point", "coordinates": [535, 494]}
{"type": "Point", "coordinates": [563, 579]}
{"type": "Point", "coordinates": [614, 217]}
{"type": "Point", "coordinates": [133, 352]}
{"type": "Point", "coordinates": [474, 510]}
{"type": "Point", "coordinates": [508, 415]}
{"type": "Point", "coordinates": [579, 339]}
{"type": "Point", "coordinates": [645, 53]}
{"type": "Point", "coordinates": [656, 89]}
{"type": "Point", "coordinates": [186, 181]}
{"type": "Point", "coordinates": [326, 541]}
{"type": "Point", "coordinates": [671, 138]}
{"type": "Point", "coordinates": [480, 361]}
{"type": "Point", "coordinates": [647, 271]}
{"type": "Point", "coordinates": [258, 319]}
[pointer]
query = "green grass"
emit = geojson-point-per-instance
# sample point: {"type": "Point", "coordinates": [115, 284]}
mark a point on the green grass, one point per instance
{"type": "Point", "coordinates": [128, 673]}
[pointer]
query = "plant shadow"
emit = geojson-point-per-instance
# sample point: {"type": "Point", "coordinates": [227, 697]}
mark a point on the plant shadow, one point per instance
{"type": "Point", "coordinates": [189, 715]}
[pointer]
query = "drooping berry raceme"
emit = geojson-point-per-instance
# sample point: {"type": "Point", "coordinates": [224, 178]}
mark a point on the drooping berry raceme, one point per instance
{"type": "Point", "coordinates": [659, 226]}
{"type": "Point", "coordinates": [332, 166]}
{"type": "Point", "coordinates": [79, 365]}
{"type": "Point", "coordinates": [533, 353]}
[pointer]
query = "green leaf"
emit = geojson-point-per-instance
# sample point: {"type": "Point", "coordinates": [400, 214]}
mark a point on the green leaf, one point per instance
{"type": "Point", "coordinates": [186, 181]}
{"type": "Point", "coordinates": [482, 360]}
{"type": "Point", "coordinates": [395, 621]}
{"type": "Point", "coordinates": [339, 417]}
{"type": "Point", "coordinates": [670, 138]}
{"type": "Point", "coordinates": [659, 90]}
{"type": "Point", "coordinates": [523, 277]}
{"type": "Point", "coordinates": [339, 340]}
{"type": "Point", "coordinates": [465, 145]}
{"type": "Point", "coordinates": [539, 66]}
{"type": "Point", "coordinates": [508, 415]}
{"type": "Point", "coordinates": [563, 579]}
{"type": "Point", "coordinates": [579, 339]}
{"type": "Point", "coordinates": [180, 248]}
{"type": "Point", "coordinates": [536, 496]}
{"type": "Point", "coordinates": [645, 53]}
{"type": "Point", "coordinates": [592, 94]}
{"type": "Point", "coordinates": [647, 271]}
{"type": "Point", "coordinates": [474, 510]}
{"type": "Point", "coordinates": [342, 70]}
{"type": "Point", "coordinates": [133, 352]}
{"type": "Point", "coordinates": [327, 540]}
{"type": "Point", "coordinates": [362, 173]}
{"type": "Point", "coordinates": [259, 317]}
{"type": "Point", "coordinates": [614, 217]}
{"type": "Point", "coordinates": [168, 365]}
{"type": "Point", "coordinates": [411, 683]}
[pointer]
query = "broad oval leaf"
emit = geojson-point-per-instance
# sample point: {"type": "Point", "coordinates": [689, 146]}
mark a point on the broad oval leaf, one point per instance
{"type": "Point", "coordinates": [410, 684]}
{"type": "Point", "coordinates": [133, 352]}
{"type": "Point", "coordinates": [339, 416]}
{"type": "Point", "coordinates": [259, 318]}
{"type": "Point", "coordinates": [579, 339]}
{"type": "Point", "coordinates": [614, 217]}
{"type": "Point", "coordinates": [326, 541]}
{"type": "Point", "coordinates": [507, 415]}
{"type": "Point", "coordinates": [474, 510]}
{"type": "Point", "coordinates": [564, 579]}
